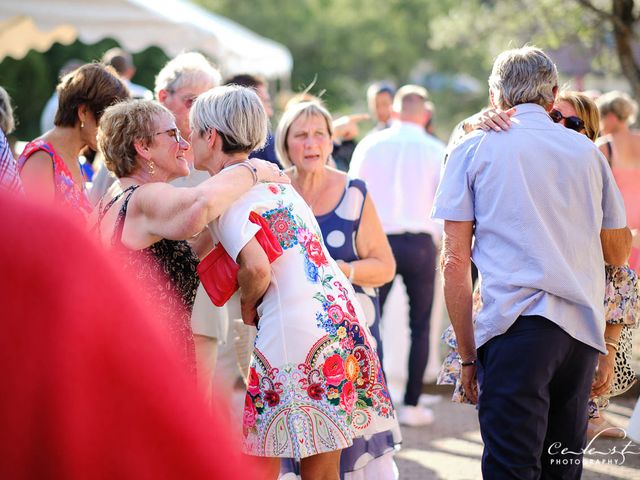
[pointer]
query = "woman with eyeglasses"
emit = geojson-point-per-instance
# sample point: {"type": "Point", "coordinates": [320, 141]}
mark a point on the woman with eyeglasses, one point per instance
{"type": "Point", "coordinates": [614, 374]}
{"type": "Point", "coordinates": [49, 165]}
{"type": "Point", "coordinates": [147, 220]}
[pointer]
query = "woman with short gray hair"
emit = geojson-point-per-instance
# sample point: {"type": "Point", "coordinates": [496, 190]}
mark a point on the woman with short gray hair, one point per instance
{"type": "Point", "coordinates": [147, 220]}
{"type": "Point", "coordinates": [314, 360]}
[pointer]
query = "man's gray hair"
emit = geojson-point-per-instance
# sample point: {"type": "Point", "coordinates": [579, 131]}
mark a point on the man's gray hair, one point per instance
{"type": "Point", "coordinates": [523, 75]}
{"type": "Point", "coordinates": [186, 69]}
{"type": "Point", "coordinates": [236, 113]}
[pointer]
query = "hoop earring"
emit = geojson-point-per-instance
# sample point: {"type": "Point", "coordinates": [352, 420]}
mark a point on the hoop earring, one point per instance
{"type": "Point", "coordinates": [152, 167]}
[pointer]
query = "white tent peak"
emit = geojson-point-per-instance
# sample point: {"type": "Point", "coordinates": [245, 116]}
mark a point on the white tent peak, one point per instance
{"type": "Point", "coordinates": [172, 25]}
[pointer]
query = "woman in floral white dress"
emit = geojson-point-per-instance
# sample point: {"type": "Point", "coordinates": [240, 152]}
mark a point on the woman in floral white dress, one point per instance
{"type": "Point", "coordinates": [315, 382]}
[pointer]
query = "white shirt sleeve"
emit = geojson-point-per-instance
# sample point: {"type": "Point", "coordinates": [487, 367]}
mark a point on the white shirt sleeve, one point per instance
{"type": "Point", "coordinates": [234, 229]}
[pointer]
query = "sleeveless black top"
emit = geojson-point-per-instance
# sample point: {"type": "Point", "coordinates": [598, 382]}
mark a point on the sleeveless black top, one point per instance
{"type": "Point", "coordinates": [168, 272]}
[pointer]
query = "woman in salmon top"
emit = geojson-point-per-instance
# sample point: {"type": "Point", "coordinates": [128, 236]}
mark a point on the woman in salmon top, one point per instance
{"type": "Point", "coordinates": [621, 146]}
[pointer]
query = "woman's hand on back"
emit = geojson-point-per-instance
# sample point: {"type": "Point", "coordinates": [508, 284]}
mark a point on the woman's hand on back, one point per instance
{"type": "Point", "coordinates": [492, 119]}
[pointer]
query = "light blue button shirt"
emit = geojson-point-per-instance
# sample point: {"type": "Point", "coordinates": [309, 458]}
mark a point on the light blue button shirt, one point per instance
{"type": "Point", "coordinates": [539, 195]}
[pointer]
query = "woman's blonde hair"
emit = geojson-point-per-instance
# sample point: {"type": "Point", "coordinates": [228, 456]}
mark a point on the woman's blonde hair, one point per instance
{"type": "Point", "coordinates": [121, 126]}
{"type": "Point", "coordinates": [586, 109]}
{"type": "Point", "coordinates": [302, 109]}
{"type": "Point", "coordinates": [620, 104]}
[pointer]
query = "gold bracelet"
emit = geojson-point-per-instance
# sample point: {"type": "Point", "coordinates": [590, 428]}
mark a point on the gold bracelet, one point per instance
{"type": "Point", "coordinates": [613, 345]}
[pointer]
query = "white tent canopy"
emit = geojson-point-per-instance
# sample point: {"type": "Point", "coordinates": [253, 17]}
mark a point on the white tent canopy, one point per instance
{"type": "Point", "coordinates": [172, 25]}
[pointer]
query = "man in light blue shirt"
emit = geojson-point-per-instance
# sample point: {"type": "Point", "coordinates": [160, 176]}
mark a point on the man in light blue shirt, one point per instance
{"type": "Point", "coordinates": [545, 209]}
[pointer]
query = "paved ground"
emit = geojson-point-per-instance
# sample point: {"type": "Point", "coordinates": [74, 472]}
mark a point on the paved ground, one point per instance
{"type": "Point", "coordinates": [451, 448]}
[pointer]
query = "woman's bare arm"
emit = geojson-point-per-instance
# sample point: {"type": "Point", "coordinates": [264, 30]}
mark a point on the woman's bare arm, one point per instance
{"type": "Point", "coordinates": [376, 265]}
{"type": "Point", "coordinates": [37, 176]}
{"type": "Point", "coordinates": [159, 210]}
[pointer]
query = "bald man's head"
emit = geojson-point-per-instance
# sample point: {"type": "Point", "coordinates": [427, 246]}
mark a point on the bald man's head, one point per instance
{"type": "Point", "coordinates": [409, 102]}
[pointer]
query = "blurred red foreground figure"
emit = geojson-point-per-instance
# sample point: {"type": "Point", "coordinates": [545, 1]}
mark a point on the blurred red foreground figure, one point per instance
{"type": "Point", "coordinates": [90, 385]}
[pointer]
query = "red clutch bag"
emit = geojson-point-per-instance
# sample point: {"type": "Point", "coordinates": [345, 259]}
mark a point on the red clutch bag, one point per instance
{"type": "Point", "coordinates": [219, 273]}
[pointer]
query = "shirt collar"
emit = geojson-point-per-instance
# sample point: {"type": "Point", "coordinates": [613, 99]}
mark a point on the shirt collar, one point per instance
{"type": "Point", "coordinates": [530, 108]}
{"type": "Point", "coordinates": [408, 126]}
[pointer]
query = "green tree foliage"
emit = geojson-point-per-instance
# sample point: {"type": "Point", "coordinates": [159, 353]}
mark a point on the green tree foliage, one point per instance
{"type": "Point", "coordinates": [32, 80]}
{"type": "Point", "coordinates": [600, 30]}
{"type": "Point", "coordinates": [346, 44]}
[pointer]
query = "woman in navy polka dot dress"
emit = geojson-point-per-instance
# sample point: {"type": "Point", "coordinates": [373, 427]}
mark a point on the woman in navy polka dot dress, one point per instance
{"type": "Point", "coordinates": [354, 237]}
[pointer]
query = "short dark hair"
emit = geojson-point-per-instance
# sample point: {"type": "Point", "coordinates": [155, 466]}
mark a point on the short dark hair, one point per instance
{"type": "Point", "coordinates": [246, 80]}
{"type": "Point", "coordinates": [118, 59]}
{"type": "Point", "coordinates": [94, 85]}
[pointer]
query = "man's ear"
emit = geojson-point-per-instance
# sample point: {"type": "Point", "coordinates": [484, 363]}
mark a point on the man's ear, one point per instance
{"type": "Point", "coordinates": [162, 96]}
{"type": "Point", "coordinates": [554, 91]}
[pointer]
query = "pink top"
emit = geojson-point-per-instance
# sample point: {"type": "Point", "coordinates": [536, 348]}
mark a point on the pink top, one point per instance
{"type": "Point", "coordinates": [628, 181]}
{"type": "Point", "coordinates": [67, 192]}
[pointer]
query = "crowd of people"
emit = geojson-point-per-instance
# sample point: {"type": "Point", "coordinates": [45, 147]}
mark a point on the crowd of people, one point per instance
{"type": "Point", "coordinates": [195, 212]}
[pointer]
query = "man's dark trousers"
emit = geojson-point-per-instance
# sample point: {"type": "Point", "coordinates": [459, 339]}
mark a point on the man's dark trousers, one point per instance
{"type": "Point", "coordinates": [415, 256]}
{"type": "Point", "coordinates": [534, 383]}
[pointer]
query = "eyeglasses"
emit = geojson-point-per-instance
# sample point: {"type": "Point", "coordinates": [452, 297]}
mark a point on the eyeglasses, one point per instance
{"type": "Point", "coordinates": [572, 122]}
{"type": "Point", "coordinates": [187, 100]}
{"type": "Point", "coordinates": [173, 133]}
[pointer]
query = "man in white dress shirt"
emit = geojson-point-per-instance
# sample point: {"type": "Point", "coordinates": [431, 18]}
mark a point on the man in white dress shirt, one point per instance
{"type": "Point", "coordinates": [401, 166]}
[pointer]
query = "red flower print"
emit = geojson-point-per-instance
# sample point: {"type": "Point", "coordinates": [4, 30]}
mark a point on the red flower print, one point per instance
{"type": "Point", "coordinates": [250, 413]}
{"type": "Point", "coordinates": [350, 309]}
{"type": "Point", "coordinates": [315, 254]}
{"type": "Point", "coordinates": [315, 391]}
{"type": "Point", "coordinates": [253, 383]}
{"type": "Point", "coordinates": [280, 226]}
{"type": "Point", "coordinates": [333, 370]}
{"type": "Point", "coordinates": [271, 397]}
{"type": "Point", "coordinates": [331, 298]}
{"type": "Point", "coordinates": [348, 397]}
{"type": "Point", "coordinates": [335, 313]}
{"type": "Point", "coordinates": [273, 189]}
{"type": "Point", "coordinates": [347, 343]}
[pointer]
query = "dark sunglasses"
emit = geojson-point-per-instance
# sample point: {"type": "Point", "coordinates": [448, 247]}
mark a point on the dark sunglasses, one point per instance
{"type": "Point", "coordinates": [173, 133]}
{"type": "Point", "coordinates": [574, 123]}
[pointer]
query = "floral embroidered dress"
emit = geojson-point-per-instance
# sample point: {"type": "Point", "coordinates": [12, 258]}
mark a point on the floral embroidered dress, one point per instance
{"type": "Point", "coordinates": [67, 191]}
{"type": "Point", "coordinates": [315, 381]}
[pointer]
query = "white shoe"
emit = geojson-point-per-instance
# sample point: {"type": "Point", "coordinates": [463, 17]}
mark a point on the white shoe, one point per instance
{"type": "Point", "coordinates": [412, 416]}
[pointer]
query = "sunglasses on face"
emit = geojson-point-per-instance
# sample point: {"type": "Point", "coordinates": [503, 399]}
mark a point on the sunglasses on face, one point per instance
{"type": "Point", "coordinates": [173, 133]}
{"type": "Point", "coordinates": [572, 122]}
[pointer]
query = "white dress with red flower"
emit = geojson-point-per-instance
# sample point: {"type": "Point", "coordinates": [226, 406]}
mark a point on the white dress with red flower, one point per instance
{"type": "Point", "coordinates": [315, 381]}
